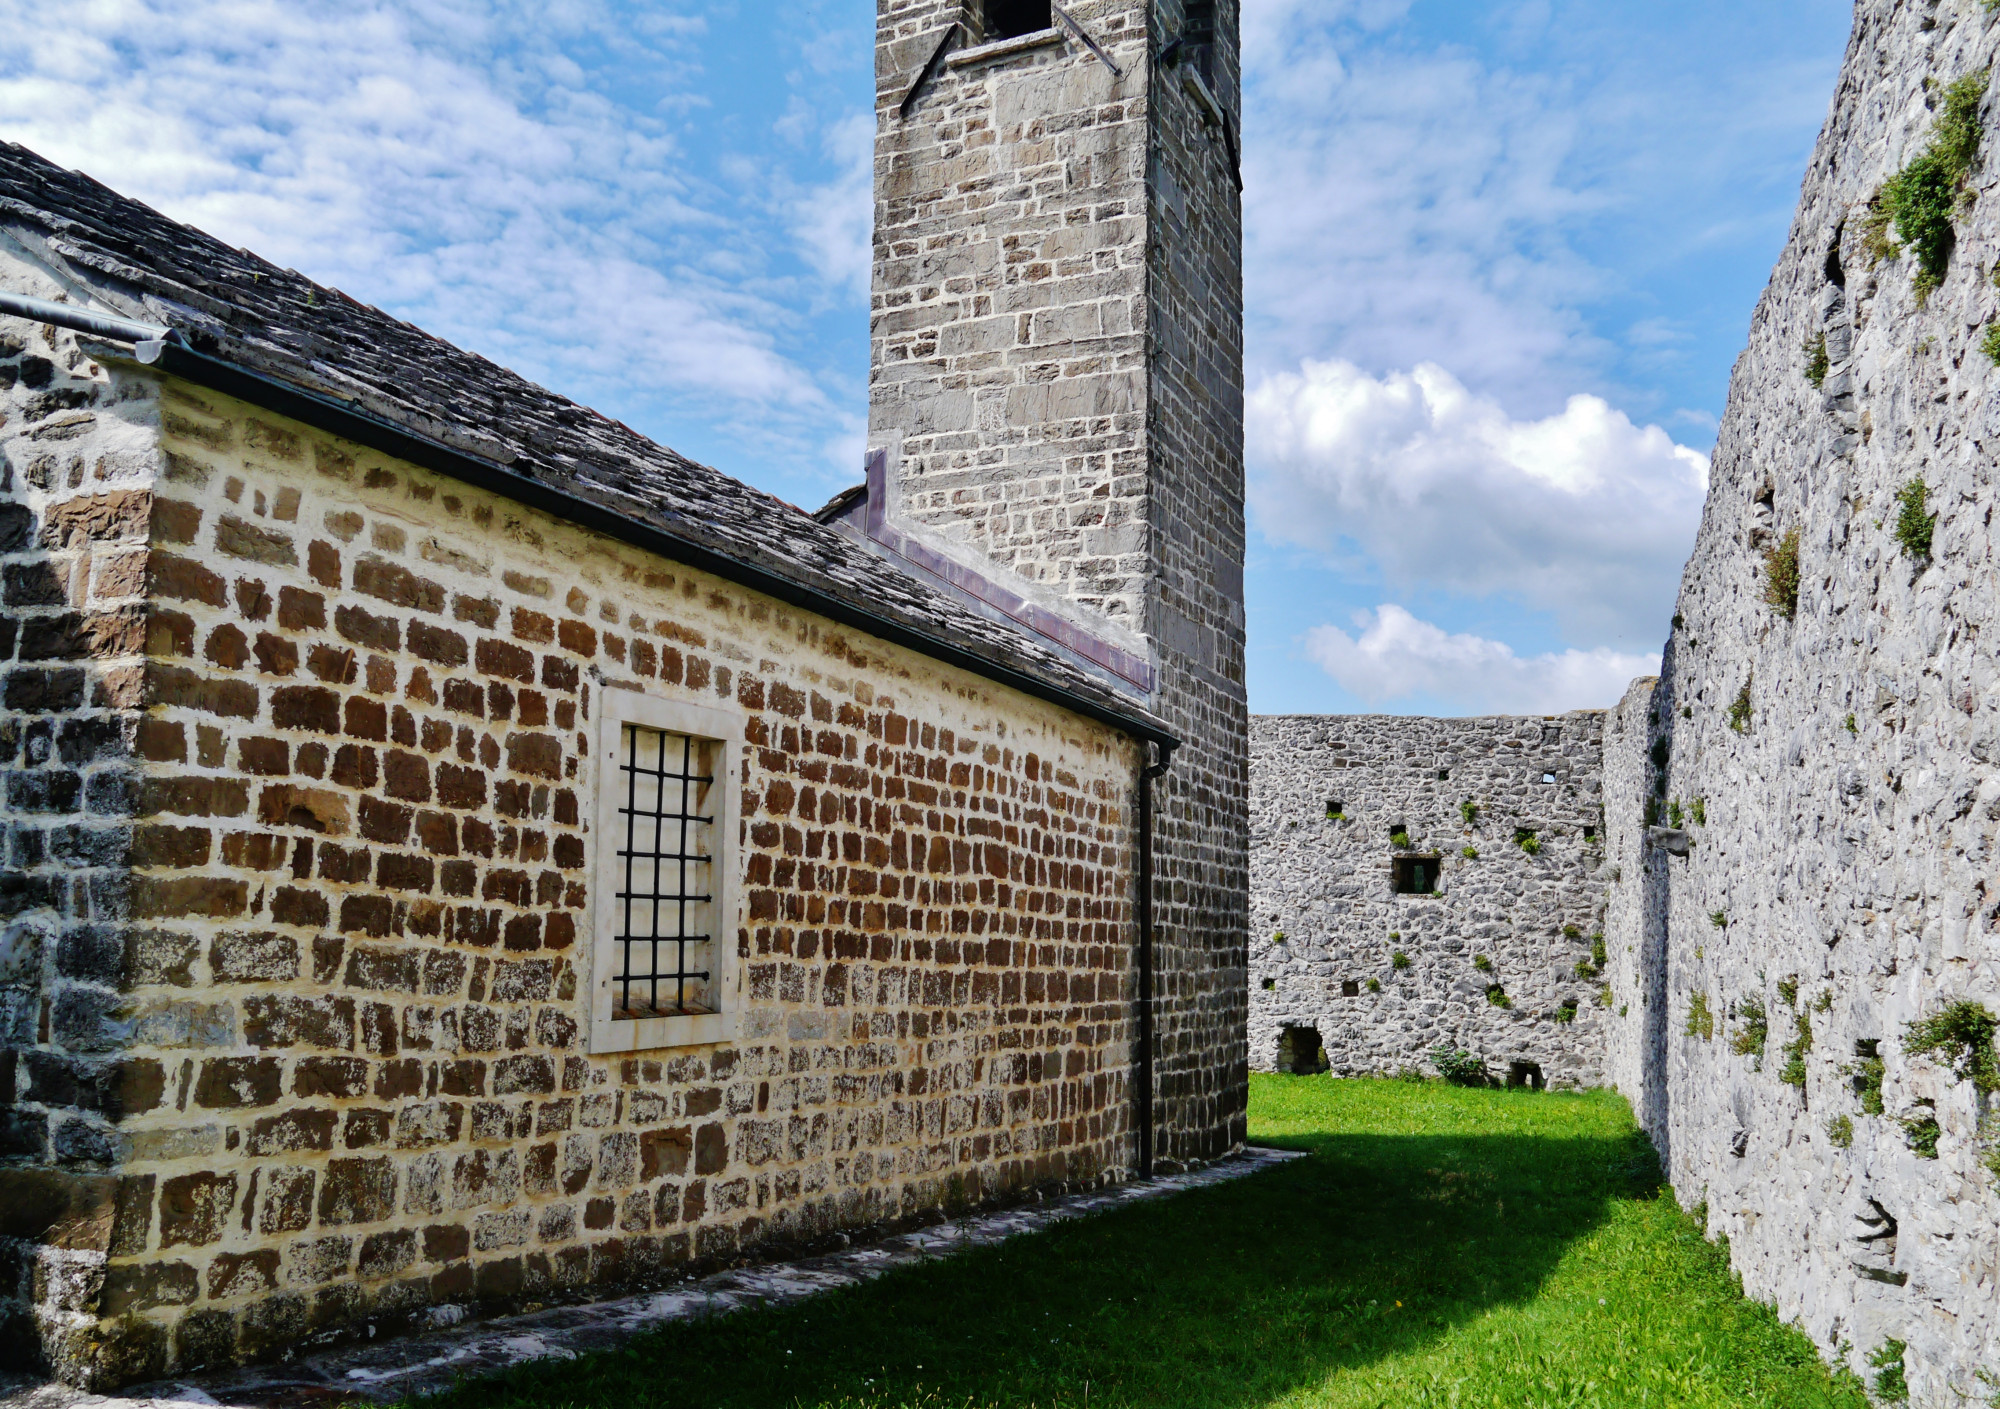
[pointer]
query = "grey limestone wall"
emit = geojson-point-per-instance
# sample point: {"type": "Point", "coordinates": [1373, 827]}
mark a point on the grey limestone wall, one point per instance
{"type": "Point", "coordinates": [1848, 761]}
{"type": "Point", "coordinates": [1056, 374]}
{"type": "Point", "coordinates": [1325, 884]}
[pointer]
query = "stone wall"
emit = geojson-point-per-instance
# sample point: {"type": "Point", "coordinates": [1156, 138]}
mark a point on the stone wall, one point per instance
{"type": "Point", "coordinates": [317, 1062]}
{"type": "Point", "coordinates": [1057, 377]}
{"type": "Point", "coordinates": [1327, 794]}
{"type": "Point", "coordinates": [1194, 614]}
{"type": "Point", "coordinates": [1842, 882]}
{"type": "Point", "coordinates": [80, 451]}
{"type": "Point", "coordinates": [1635, 915]}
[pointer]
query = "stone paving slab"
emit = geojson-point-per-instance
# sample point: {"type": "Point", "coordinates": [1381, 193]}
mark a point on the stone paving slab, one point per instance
{"type": "Point", "coordinates": [399, 1366]}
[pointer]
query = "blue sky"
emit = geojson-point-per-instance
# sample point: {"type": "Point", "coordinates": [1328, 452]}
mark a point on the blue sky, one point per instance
{"type": "Point", "coordinates": [1499, 259]}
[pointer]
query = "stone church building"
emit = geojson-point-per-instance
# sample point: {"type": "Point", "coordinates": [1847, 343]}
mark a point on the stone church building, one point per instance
{"type": "Point", "coordinates": [458, 851]}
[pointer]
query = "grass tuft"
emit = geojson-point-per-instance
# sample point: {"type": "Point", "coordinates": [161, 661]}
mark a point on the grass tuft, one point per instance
{"type": "Point", "coordinates": [1739, 708]}
{"type": "Point", "coordinates": [1458, 1066]}
{"type": "Point", "coordinates": [1754, 1033]}
{"type": "Point", "coordinates": [1914, 527]}
{"type": "Point", "coordinates": [1961, 1036]}
{"type": "Point", "coordinates": [1700, 1021]}
{"type": "Point", "coordinates": [1888, 1362]}
{"type": "Point", "coordinates": [1781, 576]}
{"type": "Point", "coordinates": [1868, 1074]}
{"type": "Point", "coordinates": [1817, 364]}
{"type": "Point", "coordinates": [1794, 1073]}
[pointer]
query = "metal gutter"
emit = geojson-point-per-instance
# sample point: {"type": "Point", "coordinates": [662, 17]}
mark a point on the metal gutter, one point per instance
{"type": "Point", "coordinates": [363, 428]}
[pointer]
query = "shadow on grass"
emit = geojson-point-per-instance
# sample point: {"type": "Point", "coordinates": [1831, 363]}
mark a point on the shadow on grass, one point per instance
{"type": "Point", "coordinates": [1225, 1296]}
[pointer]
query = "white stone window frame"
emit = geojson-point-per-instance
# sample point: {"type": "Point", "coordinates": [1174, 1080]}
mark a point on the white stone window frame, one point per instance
{"type": "Point", "coordinates": [723, 729]}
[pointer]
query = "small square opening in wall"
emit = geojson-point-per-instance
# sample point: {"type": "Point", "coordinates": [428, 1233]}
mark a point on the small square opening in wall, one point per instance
{"type": "Point", "coordinates": [1444, 775]}
{"type": "Point", "coordinates": [1269, 984]}
{"type": "Point", "coordinates": [1009, 19]}
{"type": "Point", "coordinates": [1551, 734]}
{"type": "Point", "coordinates": [1350, 988]}
{"type": "Point", "coordinates": [1414, 875]}
{"type": "Point", "coordinates": [1525, 1074]}
{"type": "Point", "coordinates": [1300, 1052]}
{"type": "Point", "coordinates": [663, 961]}
{"type": "Point", "coordinates": [1548, 777]}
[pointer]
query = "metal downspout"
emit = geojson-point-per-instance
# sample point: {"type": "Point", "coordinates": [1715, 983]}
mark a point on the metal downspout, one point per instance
{"type": "Point", "coordinates": [147, 339]}
{"type": "Point", "coordinates": [1146, 775]}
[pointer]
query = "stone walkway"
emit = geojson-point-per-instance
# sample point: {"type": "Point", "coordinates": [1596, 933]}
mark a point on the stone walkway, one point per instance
{"type": "Point", "coordinates": [408, 1365]}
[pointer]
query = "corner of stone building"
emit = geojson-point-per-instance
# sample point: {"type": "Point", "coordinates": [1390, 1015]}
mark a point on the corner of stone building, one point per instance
{"type": "Point", "coordinates": [79, 458]}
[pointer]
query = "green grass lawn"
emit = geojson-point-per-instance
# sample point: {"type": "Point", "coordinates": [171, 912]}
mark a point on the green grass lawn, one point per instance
{"type": "Point", "coordinates": [1441, 1247]}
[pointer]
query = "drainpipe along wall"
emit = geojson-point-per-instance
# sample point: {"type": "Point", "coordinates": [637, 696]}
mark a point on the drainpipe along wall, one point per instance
{"type": "Point", "coordinates": [1150, 771]}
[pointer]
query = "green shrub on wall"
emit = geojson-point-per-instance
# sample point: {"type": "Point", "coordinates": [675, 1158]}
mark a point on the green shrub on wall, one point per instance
{"type": "Point", "coordinates": [1921, 200]}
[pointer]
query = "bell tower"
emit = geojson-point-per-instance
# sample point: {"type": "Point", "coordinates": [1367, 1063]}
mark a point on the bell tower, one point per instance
{"type": "Point", "coordinates": [1056, 401]}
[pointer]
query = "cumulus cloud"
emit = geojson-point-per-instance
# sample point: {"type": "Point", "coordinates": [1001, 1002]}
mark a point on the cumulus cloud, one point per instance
{"type": "Point", "coordinates": [1395, 657]}
{"type": "Point", "coordinates": [1582, 513]}
{"type": "Point", "coordinates": [514, 177]}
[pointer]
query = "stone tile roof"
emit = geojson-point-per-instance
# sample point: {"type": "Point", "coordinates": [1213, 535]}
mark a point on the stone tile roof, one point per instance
{"type": "Point", "coordinates": [231, 304]}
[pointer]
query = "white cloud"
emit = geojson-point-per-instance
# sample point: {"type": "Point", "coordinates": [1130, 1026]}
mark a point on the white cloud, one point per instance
{"type": "Point", "coordinates": [1582, 513]}
{"type": "Point", "coordinates": [835, 222]}
{"type": "Point", "coordinates": [1402, 203]}
{"type": "Point", "coordinates": [1393, 656]}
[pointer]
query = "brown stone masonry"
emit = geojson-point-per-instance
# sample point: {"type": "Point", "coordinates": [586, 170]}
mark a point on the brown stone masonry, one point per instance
{"type": "Point", "coordinates": [300, 782]}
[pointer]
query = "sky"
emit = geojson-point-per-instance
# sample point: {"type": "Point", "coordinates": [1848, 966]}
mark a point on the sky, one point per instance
{"type": "Point", "coordinates": [1499, 258]}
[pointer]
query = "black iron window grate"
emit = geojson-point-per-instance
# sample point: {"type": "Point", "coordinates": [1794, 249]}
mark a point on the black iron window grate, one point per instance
{"type": "Point", "coordinates": [666, 949]}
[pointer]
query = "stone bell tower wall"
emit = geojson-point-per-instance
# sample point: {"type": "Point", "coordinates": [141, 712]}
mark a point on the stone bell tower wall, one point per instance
{"type": "Point", "coordinates": [1057, 380]}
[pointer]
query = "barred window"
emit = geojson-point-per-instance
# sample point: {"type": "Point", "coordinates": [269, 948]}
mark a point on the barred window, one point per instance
{"type": "Point", "coordinates": [666, 902]}
{"type": "Point", "coordinates": [664, 956]}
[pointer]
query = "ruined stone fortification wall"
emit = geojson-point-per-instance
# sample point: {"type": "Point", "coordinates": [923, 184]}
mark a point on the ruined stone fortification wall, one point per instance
{"type": "Point", "coordinates": [1324, 884]}
{"type": "Point", "coordinates": [1848, 847]}
{"type": "Point", "coordinates": [319, 1062]}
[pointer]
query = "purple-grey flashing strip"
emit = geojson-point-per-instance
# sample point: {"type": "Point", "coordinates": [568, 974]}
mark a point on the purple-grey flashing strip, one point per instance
{"type": "Point", "coordinates": [1043, 622]}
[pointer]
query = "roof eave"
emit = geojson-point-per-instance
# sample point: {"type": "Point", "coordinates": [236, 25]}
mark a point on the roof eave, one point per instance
{"type": "Point", "coordinates": [363, 428]}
